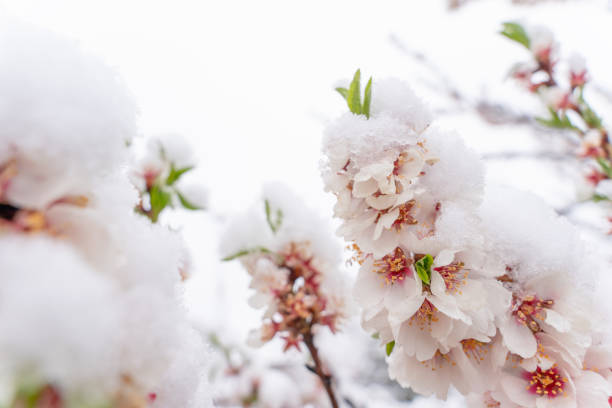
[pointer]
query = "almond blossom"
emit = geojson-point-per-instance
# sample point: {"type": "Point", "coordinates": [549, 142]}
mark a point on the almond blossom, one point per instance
{"type": "Point", "coordinates": [479, 298]}
{"type": "Point", "coordinates": [293, 266]}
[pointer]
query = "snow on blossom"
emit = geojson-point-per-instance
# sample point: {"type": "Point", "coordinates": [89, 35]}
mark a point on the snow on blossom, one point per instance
{"type": "Point", "coordinates": [91, 306]}
{"type": "Point", "coordinates": [294, 267]}
{"type": "Point", "coordinates": [45, 113]}
{"type": "Point", "coordinates": [494, 297]}
{"type": "Point", "coordinates": [387, 172]}
{"type": "Point", "coordinates": [557, 98]}
{"type": "Point", "coordinates": [542, 43]}
{"type": "Point", "coordinates": [159, 173]}
{"type": "Point", "coordinates": [577, 70]}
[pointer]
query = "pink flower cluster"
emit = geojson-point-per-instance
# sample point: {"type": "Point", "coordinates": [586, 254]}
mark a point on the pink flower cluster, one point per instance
{"type": "Point", "coordinates": [288, 283]}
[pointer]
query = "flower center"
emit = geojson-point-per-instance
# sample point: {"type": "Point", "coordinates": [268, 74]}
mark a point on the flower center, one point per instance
{"type": "Point", "coordinates": [394, 266]}
{"type": "Point", "coordinates": [490, 402]}
{"type": "Point", "coordinates": [530, 310]}
{"type": "Point", "coordinates": [454, 276]}
{"type": "Point", "coordinates": [438, 361]}
{"type": "Point", "coordinates": [397, 164]}
{"type": "Point", "coordinates": [404, 216]}
{"type": "Point", "coordinates": [426, 315]}
{"type": "Point", "coordinates": [475, 349]}
{"type": "Point", "coordinates": [549, 383]}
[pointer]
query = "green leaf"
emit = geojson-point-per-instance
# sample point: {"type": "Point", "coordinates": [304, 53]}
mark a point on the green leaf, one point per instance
{"type": "Point", "coordinates": [186, 204]}
{"type": "Point", "coordinates": [248, 251]}
{"type": "Point", "coordinates": [250, 400]}
{"type": "Point", "coordinates": [589, 116]}
{"type": "Point", "coordinates": [175, 174]}
{"type": "Point", "coordinates": [343, 92]}
{"type": "Point", "coordinates": [516, 32]}
{"type": "Point", "coordinates": [598, 197]}
{"type": "Point", "coordinates": [423, 268]}
{"type": "Point", "coordinates": [353, 97]}
{"type": "Point", "coordinates": [367, 99]}
{"type": "Point", "coordinates": [605, 166]}
{"type": "Point", "coordinates": [276, 223]}
{"type": "Point", "coordinates": [376, 336]}
{"type": "Point", "coordinates": [556, 121]}
{"type": "Point", "coordinates": [28, 394]}
{"type": "Point", "coordinates": [389, 347]}
{"type": "Point", "coordinates": [160, 199]}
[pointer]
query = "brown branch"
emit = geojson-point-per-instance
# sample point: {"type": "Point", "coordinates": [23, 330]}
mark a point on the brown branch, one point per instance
{"type": "Point", "coordinates": [326, 379]}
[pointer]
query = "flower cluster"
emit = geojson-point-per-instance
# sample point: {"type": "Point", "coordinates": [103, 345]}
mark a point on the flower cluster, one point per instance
{"type": "Point", "coordinates": [466, 287]}
{"type": "Point", "coordinates": [288, 285]}
{"type": "Point", "coordinates": [293, 266]}
{"type": "Point", "coordinates": [564, 98]}
{"type": "Point", "coordinates": [90, 312]}
{"type": "Point", "coordinates": [158, 176]}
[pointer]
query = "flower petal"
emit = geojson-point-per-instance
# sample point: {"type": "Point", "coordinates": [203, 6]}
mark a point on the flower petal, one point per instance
{"type": "Point", "coordinates": [518, 338]}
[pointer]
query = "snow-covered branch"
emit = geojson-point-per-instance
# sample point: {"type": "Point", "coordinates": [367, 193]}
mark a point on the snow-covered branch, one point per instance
{"type": "Point", "coordinates": [483, 289]}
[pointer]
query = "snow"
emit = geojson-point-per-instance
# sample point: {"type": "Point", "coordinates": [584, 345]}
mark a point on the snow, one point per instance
{"type": "Point", "coordinates": [250, 85]}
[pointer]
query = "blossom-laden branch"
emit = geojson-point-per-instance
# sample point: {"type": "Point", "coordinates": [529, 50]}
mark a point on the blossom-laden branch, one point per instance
{"type": "Point", "coordinates": [564, 98]}
{"type": "Point", "coordinates": [456, 282]}
{"type": "Point", "coordinates": [293, 282]}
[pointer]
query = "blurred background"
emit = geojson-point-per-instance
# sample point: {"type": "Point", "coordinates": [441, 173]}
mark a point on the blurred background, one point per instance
{"type": "Point", "coordinates": [250, 85]}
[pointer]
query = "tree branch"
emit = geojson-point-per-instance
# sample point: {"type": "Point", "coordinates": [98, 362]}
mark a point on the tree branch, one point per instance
{"type": "Point", "coordinates": [543, 155]}
{"type": "Point", "coordinates": [326, 379]}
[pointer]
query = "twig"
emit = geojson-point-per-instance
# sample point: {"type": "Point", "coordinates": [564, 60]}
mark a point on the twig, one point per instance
{"type": "Point", "coordinates": [552, 156]}
{"type": "Point", "coordinates": [350, 403]}
{"type": "Point", "coordinates": [450, 89]}
{"type": "Point", "coordinates": [494, 113]}
{"type": "Point", "coordinates": [326, 379]}
{"type": "Point", "coordinates": [569, 208]}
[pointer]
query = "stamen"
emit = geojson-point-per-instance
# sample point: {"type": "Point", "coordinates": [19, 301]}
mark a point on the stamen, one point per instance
{"type": "Point", "coordinates": [530, 310]}
{"type": "Point", "coordinates": [454, 276]}
{"type": "Point", "coordinates": [425, 316]}
{"type": "Point", "coordinates": [475, 349]}
{"type": "Point", "coordinates": [404, 217]}
{"type": "Point", "coordinates": [394, 267]}
{"type": "Point", "coordinates": [549, 383]}
{"type": "Point", "coordinates": [438, 361]}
